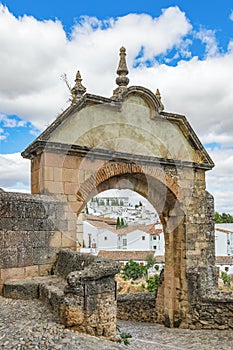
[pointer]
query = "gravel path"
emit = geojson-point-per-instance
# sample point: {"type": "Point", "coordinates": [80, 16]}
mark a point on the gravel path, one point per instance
{"type": "Point", "coordinates": [30, 325]}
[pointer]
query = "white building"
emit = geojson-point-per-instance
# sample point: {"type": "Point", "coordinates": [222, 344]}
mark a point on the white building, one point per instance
{"type": "Point", "coordinates": [100, 233]}
{"type": "Point", "coordinates": [224, 247]}
{"type": "Point", "coordinates": [224, 239]}
{"type": "Point", "coordinates": [113, 207]}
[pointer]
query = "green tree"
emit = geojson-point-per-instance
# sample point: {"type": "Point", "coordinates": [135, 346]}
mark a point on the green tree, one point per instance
{"type": "Point", "coordinates": [217, 218]}
{"type": "Point", "coordinates": [223, 218]}
{"type": "Point", "coordinates": [150, 261]}
{"type": "Point", "coordinates": [132, 270]}
{"type": "Point", "coordinates": [226, 278]}
{"type": "Point", "coordinates": [118, 223]}
{"type": "Point", "coordinates": [152, 283]}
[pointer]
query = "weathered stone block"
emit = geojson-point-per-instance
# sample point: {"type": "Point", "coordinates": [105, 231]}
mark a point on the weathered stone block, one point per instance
{"type": "Point", "coordinates": [9, 258]}
{"type": "Point", "coordinates": [69, 261]}
{"type": "Point", "coordinates": [55, 239]}
{"type": "Point", "coordinates": [42, 255]}
{"type": "Point", "coordinates": [12, 273]}
{"type": "Point", "coordinates": [72, 315]}
{"type": "Point", "coordinates": [26, 289]}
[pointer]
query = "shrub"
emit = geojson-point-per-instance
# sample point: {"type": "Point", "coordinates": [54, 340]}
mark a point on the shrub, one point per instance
{"type": "Point", "coordinates": [132, 270]}
{"type": "Point", "coordinates": [152, 283]}
{"type": "Point", "coordinates": [226, 278]}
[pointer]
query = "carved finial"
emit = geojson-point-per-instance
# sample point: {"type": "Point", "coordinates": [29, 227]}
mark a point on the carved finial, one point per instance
{"type": "Point", "coordinates": [78, 90]}
{"type": "Point", "coordinates": [122, 80]}
{"type": "Point", "coordinates": [158, 96]}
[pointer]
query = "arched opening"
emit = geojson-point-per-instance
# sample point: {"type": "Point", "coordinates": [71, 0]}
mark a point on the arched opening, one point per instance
{"type": "Point", "coordinates": [172, 295]}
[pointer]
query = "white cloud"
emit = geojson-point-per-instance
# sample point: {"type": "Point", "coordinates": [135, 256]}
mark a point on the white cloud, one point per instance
{"type": "Point", "coordinates": [200, 89]}
{"type": "Point", "coordinates": [220, 179]}
{"type": "Point", "coordinates": [231, 15]}
{"type": "Point", "coordinates": [3, 134]}
{"type": "Point", "coordinates": [11, 122]}
{"type": "Point", "coordinates": [34, 54]}
{"type": "Point", "coordinates": [207, 37]}
{"type": "Point", "coordinates": [15, 171]}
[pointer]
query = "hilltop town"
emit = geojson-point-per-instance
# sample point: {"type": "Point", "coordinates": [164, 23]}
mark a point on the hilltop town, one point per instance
{"type": "Point", "coordinates": [115, 228]}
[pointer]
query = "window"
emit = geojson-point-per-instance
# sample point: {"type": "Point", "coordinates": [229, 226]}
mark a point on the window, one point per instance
{"type": "Point", "coordinates": [105, 238]}
{"type": "Point", "coordinates": [124, 242]}
{"type": "Point", "coordinates": [143, 238]}
{"type": "Point", "coordinates": [155, 247]}
{"type": "Point", "coordinates": [154, 238]}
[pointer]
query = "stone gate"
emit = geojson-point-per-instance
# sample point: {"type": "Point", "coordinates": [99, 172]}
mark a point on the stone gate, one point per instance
{"type": "Point", "coordinates": [128, 141]}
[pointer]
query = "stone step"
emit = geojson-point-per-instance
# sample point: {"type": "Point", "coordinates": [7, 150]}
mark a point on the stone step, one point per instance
{"type": "Point", "coordinates": [51, 293]}
{"type": "Point", "coordinates": [33, 288]}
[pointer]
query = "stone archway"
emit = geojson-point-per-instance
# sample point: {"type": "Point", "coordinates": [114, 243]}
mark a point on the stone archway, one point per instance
{"type": "Point", "coordinates": [100, 143]}
{"type": "Point", "coordinates": [153, 183]}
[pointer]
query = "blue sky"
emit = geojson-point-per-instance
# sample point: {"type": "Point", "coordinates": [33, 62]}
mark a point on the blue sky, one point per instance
{"type": "Point", "coordinates": [184, 48]}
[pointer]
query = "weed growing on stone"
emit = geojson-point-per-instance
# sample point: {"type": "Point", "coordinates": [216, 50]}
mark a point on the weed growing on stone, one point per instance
{"type": "Point", "coordinates": [124, 337]}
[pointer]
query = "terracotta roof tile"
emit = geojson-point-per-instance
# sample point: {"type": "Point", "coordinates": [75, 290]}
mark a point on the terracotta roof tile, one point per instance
{"type": "Point", "coordinates": [109, 223]}
{"type": "Point", "coordinates": [125, 255]}
{"type": "Point", "coordinates": [224, 260]}
{"type": "Point", "coordinates": [223, 230]}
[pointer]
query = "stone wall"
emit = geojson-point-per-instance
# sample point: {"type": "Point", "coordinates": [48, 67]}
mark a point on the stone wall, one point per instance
{"type": "Point", "coordinates": [210, 308]}
{"type": "Point", "coordinates": [32, 229]}
{"type": "Point", "coordinates": [136, 307]}
{"type": "Point", "coordinates": [214, 313]}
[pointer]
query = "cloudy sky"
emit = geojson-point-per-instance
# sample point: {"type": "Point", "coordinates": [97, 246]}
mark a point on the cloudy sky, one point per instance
{"type": "Point", "coordinates": [182, 47]}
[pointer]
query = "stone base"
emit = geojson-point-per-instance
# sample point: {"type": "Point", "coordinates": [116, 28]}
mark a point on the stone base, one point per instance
{"type": "Point", "coordinates": [82, 295]}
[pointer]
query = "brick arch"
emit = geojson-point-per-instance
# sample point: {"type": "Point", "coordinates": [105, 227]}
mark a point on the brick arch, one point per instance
{"type": "Point", "coordinates": [152, 176]}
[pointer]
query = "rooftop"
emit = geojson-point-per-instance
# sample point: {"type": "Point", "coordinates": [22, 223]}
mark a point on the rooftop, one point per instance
{"type": "Point", "coordinates": [107, 223]}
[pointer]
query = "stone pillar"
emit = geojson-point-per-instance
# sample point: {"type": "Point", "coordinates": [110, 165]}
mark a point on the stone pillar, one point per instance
{"type": "Point", "coordinates": [90, 300]}
{"type": "Point", "coordinates": [175, 285]}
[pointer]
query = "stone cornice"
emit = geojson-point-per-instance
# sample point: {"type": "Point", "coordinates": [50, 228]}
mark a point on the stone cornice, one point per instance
{"type": "Point", "coordinates": [39, 146]}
